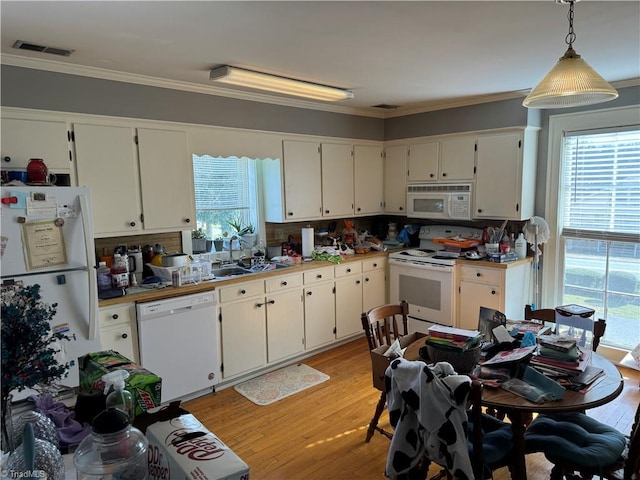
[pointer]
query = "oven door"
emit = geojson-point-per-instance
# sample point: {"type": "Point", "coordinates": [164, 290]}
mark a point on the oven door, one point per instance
{"type": "Point", "coordinates": [429, 290]}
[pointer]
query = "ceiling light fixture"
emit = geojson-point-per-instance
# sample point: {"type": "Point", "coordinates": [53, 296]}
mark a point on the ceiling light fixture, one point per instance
{"type": "Point", "coordinates": [274, 83]}
{"type": "Point", "coordinates": [571, 82]}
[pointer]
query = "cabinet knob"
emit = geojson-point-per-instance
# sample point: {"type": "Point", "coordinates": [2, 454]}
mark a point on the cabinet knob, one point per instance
{"type": "Point", "coordinates": [211, 376]}
{"type": "Point", "coordinates": [431, 175]}
{"type": "Point", "coordinates": [284, 284]}
{"type": "Point", "coordinates": [7, 159]}
{"type": "Point", "coordinates": [290, 214]}
{"type": "Point", "coordinates": [187, 220]}
{"type": "Point", "coordinates": [271, 302]}
{"type": "Point", "coordinates": [124, 335]}
{"type": "Point", "coordinates": [114, 316]}
{"type": "Point", "coordinates": [493, 292]}
{"type": "Point", "coordinates": [357, 282]}
{"type": "Point", "coordinates": [309, 293]}
{"type": "Point", "coordinates": [478, 274]}
{"type": "Point", "coordinates": [326, 211]}
{"type": "Point", "coordinates": [319, 276]}
{"type": "Point", "coordinates": [132, 224]}
{"type": "Point", "coordinates": [366, 279]}
{"type": "Point", "coordinates": [375, 265]}
{"type": "Point", "coordinates": [479, 210]}
{"type": "Point", "coordinates": [359, 209]}
{"type": "Point", "coordinates": [444, 174]}
{"type": "Point", "coordinates": [348, 270]}
{"type": "Point", "coordinates": [243, 291]}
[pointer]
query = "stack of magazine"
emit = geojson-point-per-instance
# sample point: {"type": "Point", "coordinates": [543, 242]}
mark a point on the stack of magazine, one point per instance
{"type": "Point", "coordinates": [559, 355]}
{"type": "Point", "coordinates": [453, 338]}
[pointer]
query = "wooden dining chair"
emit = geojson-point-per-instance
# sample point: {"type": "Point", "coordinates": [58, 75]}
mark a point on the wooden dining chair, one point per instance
{"type": "Point", "coordinates": [548, 315]}
{"type": "Point", "coordinates": [381, 326]}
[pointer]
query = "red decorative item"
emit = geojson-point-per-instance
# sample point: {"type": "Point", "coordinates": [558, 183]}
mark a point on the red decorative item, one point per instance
{"type": "Point", "coordinates": [37, 171]}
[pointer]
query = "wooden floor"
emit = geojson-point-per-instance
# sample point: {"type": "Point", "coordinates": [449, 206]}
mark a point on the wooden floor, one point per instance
{"type": "Point", "coordinates": [318, 434]}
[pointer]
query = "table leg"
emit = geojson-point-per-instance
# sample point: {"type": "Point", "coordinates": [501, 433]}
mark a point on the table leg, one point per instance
{"type": "Point", "coordinates": [519, 471]}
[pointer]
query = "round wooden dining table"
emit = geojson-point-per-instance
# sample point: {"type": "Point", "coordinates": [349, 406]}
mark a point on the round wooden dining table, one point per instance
{"type": "Point", "coordinates": [518, 409]}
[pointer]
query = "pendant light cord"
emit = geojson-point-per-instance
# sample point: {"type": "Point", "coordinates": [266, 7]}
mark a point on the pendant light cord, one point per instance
{"type": "Point", "coordinates": [571, 36]}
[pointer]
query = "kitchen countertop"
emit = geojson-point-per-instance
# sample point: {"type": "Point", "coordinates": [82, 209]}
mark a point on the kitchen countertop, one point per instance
{"type": "Point", "coordinates": [149, 295]}
{"type": "Point", "coordinates": [140, 294]}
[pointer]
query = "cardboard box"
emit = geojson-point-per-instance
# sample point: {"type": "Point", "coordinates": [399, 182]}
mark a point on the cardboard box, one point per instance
{"type": "Point", "coordinates": [379, 362]}
{"type": "Point", "coordinates": [502, 257]}
{"type": "Point", "coordinates": [145, 387]}
{"type": "Point", "coordinates": [181, 448]}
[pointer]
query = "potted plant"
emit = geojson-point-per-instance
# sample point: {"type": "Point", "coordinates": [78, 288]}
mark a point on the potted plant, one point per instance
{"type": "Point", "coordinates": [245, 232]}
{"type": "Point", "coordinates": [29, 348]}
{"type": "Point", "coordinates": [198, 240]}
{"type": "Point", "coordinates": [218, 243]}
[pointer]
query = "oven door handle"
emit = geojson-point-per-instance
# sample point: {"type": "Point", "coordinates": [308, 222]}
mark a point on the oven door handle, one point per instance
{"type": "Point", "coordinates": [421, 265]}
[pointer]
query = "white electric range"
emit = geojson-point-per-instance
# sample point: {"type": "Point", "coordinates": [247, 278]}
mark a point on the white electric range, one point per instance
{"type": "Point", "coordinates": [426, 277]}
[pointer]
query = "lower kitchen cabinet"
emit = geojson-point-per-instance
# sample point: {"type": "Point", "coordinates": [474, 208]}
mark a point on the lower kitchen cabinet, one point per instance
{"type": "Point", "coordinates": [348, 299]}
{"type": "Point", "coordinates": [319, 308]}
{"type": "Point", "coordinates": [374, 283]}
{"type": "Point", "coordinates": [284, 311]}
{"type": "Point", "coordinates": [505, 287]}
{"type": "Point", "coordinates": [243, 328]}
{"type": "Point", "coordinates": [118, 330]}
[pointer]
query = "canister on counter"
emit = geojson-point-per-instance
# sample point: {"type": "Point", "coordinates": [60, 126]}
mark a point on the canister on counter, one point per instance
{"type": "Point", "coordinates": [176, 281]}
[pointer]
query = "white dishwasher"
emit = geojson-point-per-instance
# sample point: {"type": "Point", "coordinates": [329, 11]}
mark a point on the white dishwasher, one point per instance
{"type": "Point", "coordinates": [178, 341]}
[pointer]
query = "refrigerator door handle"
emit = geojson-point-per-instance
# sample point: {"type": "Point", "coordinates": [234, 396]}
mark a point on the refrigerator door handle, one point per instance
{"type": "Point", "coordinates": [93, 281]}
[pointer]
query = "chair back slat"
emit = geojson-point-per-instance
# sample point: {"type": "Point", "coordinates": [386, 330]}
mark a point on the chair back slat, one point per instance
{"type": "Point", "coordinates": [381, 323]}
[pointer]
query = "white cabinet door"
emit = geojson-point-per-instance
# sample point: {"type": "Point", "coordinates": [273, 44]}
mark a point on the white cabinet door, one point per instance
{"type": "Point", "coordinates": [118, 330]}
{"type": "Point", "coordinates": [302, 180]}
{"type": "Point", "coordinates": [25, 139]}
{"type": "Point", "coordinates": [395, 179]}
{"type": "Point", "coordinates": [166, 180]}
{"type": "Point", "coordinates": [502, 163]}
{"type": "Point", "coordinates": [369, 179]}
{"type": "Point", "coordinates": [319, 315]}
{"type": "Point", "coordinates": [106, 162]}
{"type": "Point", "coordinates": [423, 162]}
{"type": "Point", "coordinates": [348, 306]}
{"type": "Point", "coordinates": [119, 339]}
{"type": "Point", "coordinates": [337, 180]}
{"type": "Point", "coordinates": [457, 161]}
{"type": "Point", "coordinates": [285, 324]}
{"type": "Point", "coordinates": [374, 289]}
{"type": "Point", "coordinates": [244, 336]}
{"type": "Point", "coordinates": [473, 296]}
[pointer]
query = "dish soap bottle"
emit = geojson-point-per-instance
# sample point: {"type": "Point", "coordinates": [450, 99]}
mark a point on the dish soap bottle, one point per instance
{"type": "Point", "coordinates": [521, 246]}
{"type": "Point", "coordinates": [113, 450]}
{"type": "Point", "coordinates": [119, 397]}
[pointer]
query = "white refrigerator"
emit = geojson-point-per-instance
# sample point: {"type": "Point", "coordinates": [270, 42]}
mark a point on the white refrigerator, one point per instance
{"type": "Point", "coordinates": [47, 239]}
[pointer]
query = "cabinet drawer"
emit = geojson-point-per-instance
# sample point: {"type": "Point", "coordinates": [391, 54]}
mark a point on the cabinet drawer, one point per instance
{"type": "Point", "coordinates": [347, 269]}
{"type": "Point", "coordinates": [283, 282]}
{"type": "Point", "coordinates": [240, 291]}
{"type": "Point", "coordinates": [317, 276]}
{"type": "Point", "coordinates": [118, 339]}
{"type": "Point", "coordinates": [373, 264]}
{"type": "Point", "coordinates": [116, 315]}
{"type": "Point", "coordinates": [482, 274]}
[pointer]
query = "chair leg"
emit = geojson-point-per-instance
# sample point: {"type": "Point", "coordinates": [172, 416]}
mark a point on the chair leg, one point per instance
{"type": "Point", "coordinates": [373, 426]}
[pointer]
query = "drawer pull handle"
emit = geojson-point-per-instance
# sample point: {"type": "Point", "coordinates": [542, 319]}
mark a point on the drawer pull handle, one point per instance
{"type": "Point", "coordinates": [114, 316]}
{"type": "Point", "coordinates": [124, 335]}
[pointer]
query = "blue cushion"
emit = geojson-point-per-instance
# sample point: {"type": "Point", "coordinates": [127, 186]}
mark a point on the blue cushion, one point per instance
{"type": "Point", "coordinates": [574, 438]}
{"type": "Point", "coordinates": [497, 440]}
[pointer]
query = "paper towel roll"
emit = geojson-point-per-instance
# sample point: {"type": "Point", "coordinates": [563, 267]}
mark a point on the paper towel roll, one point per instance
{"type": "Point", "coordinates": [307, 242]}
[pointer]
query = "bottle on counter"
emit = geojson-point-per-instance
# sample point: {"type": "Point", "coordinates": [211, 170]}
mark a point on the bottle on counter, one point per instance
{"type": "Point", "coordinates": [521, 246]}
{"type": "Point", "coordinates": [104, 277]}
{"type": "Point", "coordinates": [120, 271]}
{"type": "Point", "coordinates": [119, 397]}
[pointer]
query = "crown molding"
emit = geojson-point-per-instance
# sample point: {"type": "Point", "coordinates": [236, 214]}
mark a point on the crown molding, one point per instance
{"type": "Point", "coordinates": [105, 74]}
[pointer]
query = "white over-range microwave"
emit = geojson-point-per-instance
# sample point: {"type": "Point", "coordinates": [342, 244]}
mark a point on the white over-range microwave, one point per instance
{"type": "Point", "coordinates": [439, 201]}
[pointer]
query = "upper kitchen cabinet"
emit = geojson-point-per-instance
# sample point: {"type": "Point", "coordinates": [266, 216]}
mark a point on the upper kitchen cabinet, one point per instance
{"type": "Point", "coordinates": [134, 189]}
{"type": "Point", "coordinates": [506, 175]}
{"type": "Point", "coordinates": [106, 162]}
{"type": "Point", "coordinates": [337, 180]}
{"type": "Point", "coordinates": [395, 179]}
{"type": "Point", "coordinates": [165, 166]}
{"type": "Point", "coordinates": [368, 171]}
{"type": "Point", "coordinates": [445, 160]}
{"type": "Point", "coordinates": [293, 185]}
{"type": "Point", "coordinates": [23, 139]}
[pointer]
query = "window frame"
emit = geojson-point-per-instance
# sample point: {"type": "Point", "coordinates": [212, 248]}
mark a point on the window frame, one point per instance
{"type": "Point", "coordinates": [553, 257]}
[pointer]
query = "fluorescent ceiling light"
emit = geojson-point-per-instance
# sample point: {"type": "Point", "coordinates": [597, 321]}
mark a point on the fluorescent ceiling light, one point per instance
{"type": "Point", "coordinates": [571, 82]}
{"type": "Point", "coordinates": [273, 83]}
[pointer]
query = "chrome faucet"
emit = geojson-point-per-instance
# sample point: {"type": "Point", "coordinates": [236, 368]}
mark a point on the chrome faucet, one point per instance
{"type": "Point", "coordinates": [231, 240]}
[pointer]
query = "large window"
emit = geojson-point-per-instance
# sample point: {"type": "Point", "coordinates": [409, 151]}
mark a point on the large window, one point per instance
{"type": "Point", "coordinates": [598, 222]}
{"type": "Point", "coordinates": [226, 191]}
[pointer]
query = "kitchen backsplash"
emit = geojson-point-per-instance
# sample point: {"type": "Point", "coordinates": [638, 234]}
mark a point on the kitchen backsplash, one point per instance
{"type": "Point", "coordinates": [172, 242]}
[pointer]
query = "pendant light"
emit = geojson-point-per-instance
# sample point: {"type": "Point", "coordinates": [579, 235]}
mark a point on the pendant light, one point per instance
{"type": "Point", "coordinates": [571, 82]}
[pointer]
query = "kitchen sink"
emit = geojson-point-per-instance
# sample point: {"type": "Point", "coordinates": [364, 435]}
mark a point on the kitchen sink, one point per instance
{"type": "Point", "coordinates": [231, 271]}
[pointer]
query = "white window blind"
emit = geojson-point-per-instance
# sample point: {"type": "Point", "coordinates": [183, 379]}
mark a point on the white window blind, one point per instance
{"type": "Point", "coordinates": [600, 194]}
{"type": "Point", "coordinates": [221, 183]}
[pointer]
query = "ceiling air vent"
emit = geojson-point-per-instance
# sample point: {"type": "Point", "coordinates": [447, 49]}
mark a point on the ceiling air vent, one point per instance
{"type": "Point", "coordinates": [42, 48]}
{"type": "Point", "coordinates": [385, 106]}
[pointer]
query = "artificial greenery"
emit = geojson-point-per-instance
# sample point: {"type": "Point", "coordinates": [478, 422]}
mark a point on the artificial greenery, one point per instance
{"type": "Point", "coordinates": [28, 345]}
